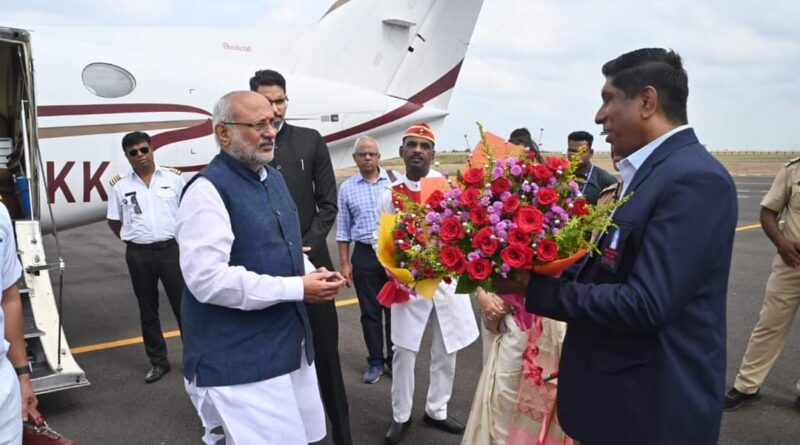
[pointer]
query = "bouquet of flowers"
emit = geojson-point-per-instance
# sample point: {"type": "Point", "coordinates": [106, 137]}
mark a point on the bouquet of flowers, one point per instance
{"type": "Point", "coordinates": [501, 218]}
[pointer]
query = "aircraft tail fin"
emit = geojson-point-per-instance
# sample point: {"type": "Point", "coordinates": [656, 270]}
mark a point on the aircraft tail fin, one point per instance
{"type": "Point", "coordinates": [411, 50]}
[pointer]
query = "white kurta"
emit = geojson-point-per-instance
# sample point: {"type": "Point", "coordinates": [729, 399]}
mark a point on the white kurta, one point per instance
{"type": "Point", "coordinates": [286, 409]}
{"type": "Point", "coordinates": [454, 311]}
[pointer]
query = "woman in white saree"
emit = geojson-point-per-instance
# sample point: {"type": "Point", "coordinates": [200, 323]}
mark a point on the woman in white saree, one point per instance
{"type": "Point", "coordinates": [514, 402]}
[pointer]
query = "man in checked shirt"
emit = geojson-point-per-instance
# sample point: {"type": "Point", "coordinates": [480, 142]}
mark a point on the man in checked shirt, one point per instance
{"type": "Point", "coordinates": [357, 222]}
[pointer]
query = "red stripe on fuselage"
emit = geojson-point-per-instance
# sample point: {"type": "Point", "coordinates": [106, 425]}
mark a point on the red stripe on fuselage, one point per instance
{"type": "Point", "coordinates": [76, 110]}
{"type": "Point", "coordinates": [414, 103]}
{"type": "Point", "coordinates": [184, 134]}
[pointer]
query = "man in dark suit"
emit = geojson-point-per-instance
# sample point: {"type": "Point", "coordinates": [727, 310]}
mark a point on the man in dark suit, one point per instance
{"type": "Point", "coordinates": [643, 360]}
{"type": "Point", "coordinates": [303, 159]}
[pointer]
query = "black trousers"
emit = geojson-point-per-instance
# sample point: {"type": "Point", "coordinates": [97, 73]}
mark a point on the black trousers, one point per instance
{"type": "Point", "coordinates": [147, 264]}
{"type": "Point", "coordinates": [325, 328]}
{"type": "Point", "coordinates": [369, 277]}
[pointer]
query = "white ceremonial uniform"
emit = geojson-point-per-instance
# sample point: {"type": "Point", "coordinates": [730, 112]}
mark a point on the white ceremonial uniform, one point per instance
{"type": "Point", "coordinates": [454, 328]}
{"type": "Point", "coordinates": [10, 398]}
{"type": "Point", "coordinates": [147, 213]}
{"type": "Point", "coordinates": [284, 410]}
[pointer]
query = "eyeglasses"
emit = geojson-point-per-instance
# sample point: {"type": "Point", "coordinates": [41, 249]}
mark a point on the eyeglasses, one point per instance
{"type": "Point", "coordinates": [135, 152]}
{"type": "Point", "coordinates": [373, 154]}
{"type": "Point", "coordinates": [257, 126]}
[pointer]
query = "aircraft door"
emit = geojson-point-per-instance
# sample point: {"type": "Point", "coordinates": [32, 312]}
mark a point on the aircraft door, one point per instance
{"type": "Point", "coordinates": [17, 125]}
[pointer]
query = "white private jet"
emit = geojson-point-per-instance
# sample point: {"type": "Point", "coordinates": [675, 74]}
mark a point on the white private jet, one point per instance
{"type": "Point", "coordinates": [69, 94]}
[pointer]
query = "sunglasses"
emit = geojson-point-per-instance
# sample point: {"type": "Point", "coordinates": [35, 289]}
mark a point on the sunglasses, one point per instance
{"type": "Point", "coordinates": [133, 153]}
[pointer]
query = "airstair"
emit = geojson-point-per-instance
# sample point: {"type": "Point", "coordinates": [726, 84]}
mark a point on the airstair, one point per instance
{"type": "Point", "coordinates": [22, 180]}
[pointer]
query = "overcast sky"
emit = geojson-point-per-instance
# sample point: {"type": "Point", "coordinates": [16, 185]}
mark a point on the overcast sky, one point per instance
{"type": "Point", "coordinates": [536, 63]}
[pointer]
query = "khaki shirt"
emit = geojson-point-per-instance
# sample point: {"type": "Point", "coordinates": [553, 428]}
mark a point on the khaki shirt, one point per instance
{"type": "Point", "coordinates": [784, 196]}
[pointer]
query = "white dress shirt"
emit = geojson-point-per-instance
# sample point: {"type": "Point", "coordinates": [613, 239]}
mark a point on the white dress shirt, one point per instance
{"type": "Point", "coordinates": [10, 269]}
{"type": "Point", "coordinates": [204, 234]}
{"type": "Point", "coordinates": [147, 213]}
{"type": "Point", "coordinates": [630, 165]}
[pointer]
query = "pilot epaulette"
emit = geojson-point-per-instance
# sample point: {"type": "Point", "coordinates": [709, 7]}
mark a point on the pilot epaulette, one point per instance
{"type": "Point", "coordinates": [114, 180]}
{"type": "Point", "coordinates": [175, 170]}
{"type": "Point", "coordinates": [792, 161]}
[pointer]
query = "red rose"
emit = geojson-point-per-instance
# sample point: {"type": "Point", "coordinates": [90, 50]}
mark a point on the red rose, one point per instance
{"type": "Point", "coordinates": [529, 253]}
{"type": "Point", "coordinates": [531, 155]}
{"type": "Point", "coordinates": [473, 176]}
{"type": "Point", "coordinates": [500, 185]}
{"type": "Point", "coordinates": [435, 199]}
{"type": "Point", "coordinates": [580, 207]}
{"type": "Point", "coordinates": [518, 237]}
{"type": "Point", "coordinates": [541, 173]}
{"type": "Point", "coordinates": [453, 259]}
{"type": "Point", "coordinates": [479, 269]}
{"type": "Point", "coordinates": [529, 219]}
{"type": "Point", "coordinates": [399, 234]}
{"type": "Point", "coordinates": [404, 245]}
{"type": "Point", "coordinates": [546, 196]}
{"type": "Point", "coordinates": [511, 204]}
{"type": "Point", "coordinates": [514, 257]}
{"type": "Point", "coordinates": [452, 231]}
{"type": "Point", "coordinates": [469, 196]}
{"type": "Point", "coordinates": [478, 215]}
{"type": "Point", "coordinates": [547, 250]}
{"type": "Point", "coordinates": [557, 163]}
{"type": "Point", "coordinates": [485, 241]}
{"type": "Point", "coordinates": [428, 272]}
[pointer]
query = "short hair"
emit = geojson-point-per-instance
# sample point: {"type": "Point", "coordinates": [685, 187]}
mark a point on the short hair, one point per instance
{"type": "Point", "coordinates": [366, 138]}
{"type": "Point", "coordinates": [131, 139]}
{"type": "Point", "coordinates": [267, 78]}
{"type": "Point", "coordinates": [222, 113]}
{"type": "Point", "coordinates": [655, 67]}
{"type": "Point", "coordinates": [581, 136]}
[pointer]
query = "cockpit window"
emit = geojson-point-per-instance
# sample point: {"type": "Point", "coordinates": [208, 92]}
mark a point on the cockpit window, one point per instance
{"type": "Point", "coordinates": [107, 80]}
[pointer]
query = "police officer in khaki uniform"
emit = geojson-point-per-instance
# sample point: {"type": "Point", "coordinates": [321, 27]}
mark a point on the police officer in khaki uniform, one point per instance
{"type": "Point", "coordinates": [141, 212]}
{"type": "Point", "coordinates": [782, 296]}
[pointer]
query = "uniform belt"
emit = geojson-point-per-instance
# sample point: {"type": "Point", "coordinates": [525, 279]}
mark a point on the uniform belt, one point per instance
{"type": "Point", "coordinates": [158, 245]}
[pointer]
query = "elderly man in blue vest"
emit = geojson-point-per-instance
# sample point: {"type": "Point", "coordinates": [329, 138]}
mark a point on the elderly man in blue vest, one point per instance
{"type": "Point", "coordinates": [248, 351]}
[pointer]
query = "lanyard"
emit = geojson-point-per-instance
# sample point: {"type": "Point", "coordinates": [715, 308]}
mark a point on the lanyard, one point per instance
{"type": "Point", "coordinates": [588, 178]}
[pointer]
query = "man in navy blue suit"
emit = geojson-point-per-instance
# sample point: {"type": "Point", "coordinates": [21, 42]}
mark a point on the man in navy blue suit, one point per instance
{"type": "Point", "coordinates": [644, 356]}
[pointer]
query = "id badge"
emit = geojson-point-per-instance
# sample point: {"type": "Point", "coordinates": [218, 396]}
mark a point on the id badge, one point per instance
{"type": "Point", "coordinates": [613, 246]}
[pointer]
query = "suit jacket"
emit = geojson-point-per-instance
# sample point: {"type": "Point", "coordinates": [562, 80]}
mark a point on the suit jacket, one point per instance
{"type": "Point", "coordinates": [303, 159]}
{"type": "Point", "coordinates": [644, 356]}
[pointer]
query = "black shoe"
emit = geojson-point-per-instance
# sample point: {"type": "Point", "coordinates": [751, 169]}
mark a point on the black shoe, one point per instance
{"type": "Point", "coordinates": [449, 424]}
{"type": "Point", "coordinates": [387, 368]}
{"type": "Point", "coordinates": [396, 431]}
{"type": "Point", "coordinates": [735, 399]}
{"type": "Point", "coordinates": [155, 373]}
{"type": "Point", "coordinates": [797, 403]}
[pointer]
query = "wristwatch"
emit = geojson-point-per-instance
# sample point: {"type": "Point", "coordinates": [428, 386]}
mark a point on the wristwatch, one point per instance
{"type": "Point", "coordinates": [24, 369]}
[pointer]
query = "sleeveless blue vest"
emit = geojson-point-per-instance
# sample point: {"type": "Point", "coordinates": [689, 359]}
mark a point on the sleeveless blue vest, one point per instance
{"type": "Point", "coordinates": [224, 346]}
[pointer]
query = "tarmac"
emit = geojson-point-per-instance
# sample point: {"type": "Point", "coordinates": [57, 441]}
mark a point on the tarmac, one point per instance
{"type": "Point", "coordinates": [101, 323]}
